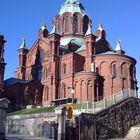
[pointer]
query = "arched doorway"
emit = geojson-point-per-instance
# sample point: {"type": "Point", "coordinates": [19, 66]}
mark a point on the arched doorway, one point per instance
{"type": "Point", "coordinates": [47, 130]}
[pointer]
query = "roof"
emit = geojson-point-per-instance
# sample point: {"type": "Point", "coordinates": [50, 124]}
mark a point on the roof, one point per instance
{"type": "Point", "coordinates": [13, 80]}
{"type": "Point", "coordinates": [23, 45]}
{"type": "Point", "coordinates": [114, 53]}
{"type": "Point", "coordinates": [76, 40]}
{"type": "Point", "coordinates": [107, 53]}
{"type": "Point", "coordinates": [72, 6]}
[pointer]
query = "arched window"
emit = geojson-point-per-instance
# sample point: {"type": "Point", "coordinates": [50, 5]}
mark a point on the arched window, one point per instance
{"type": "Point", "coordinates": [85, 24]}
{"type": "Point", "coordinates": [64, 91]}
{"type": "Point", "coordinates": [20, 61]}
{"type": "Point", "coordinates": [46, 97]}
{"type": "Point", "coordinates": [89, 94]}
{"type": "Point", "coordinates": [124, 70]}
{"type": "Point", "coordinates": [114, 71]}
{"type": "Point", "coordinates": [39, 73]}
{"type": "Point", "coordinates": [58, 26]}
{"type": "Point", "coordinates": [64, 68]}
{"type": "Point", "coordinates": [39, 56]}
{"type": "Point", "coordinates": [67, 24]}
{"type": "Point", "coordinates": [131, 71]}
{"type": "Point", "coordinates": [76, 24]}
{"type": "Point", "coordinates": [46, 73]}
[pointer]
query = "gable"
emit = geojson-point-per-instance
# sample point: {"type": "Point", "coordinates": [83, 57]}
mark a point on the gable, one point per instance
{"type": "Point", "coordinates": [42, 45]}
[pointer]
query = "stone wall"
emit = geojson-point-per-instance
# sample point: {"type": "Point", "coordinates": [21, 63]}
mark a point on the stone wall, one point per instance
{"type": "Point", "coordinates": [2, 123]}
{"type": "Point", "coordinates": [3, 114]}
{"type": "Point", "coordinates": [29, 124]}
{"type": "Point", "coordinates": [113, 122]}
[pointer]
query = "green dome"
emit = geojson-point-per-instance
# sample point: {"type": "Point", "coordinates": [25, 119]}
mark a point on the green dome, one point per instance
{"type": "Point", "coordinates": [72, 6]}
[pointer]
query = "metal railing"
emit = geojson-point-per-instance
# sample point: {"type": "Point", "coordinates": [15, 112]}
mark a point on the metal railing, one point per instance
{"type": "Point", "coordinates": [93, 107]}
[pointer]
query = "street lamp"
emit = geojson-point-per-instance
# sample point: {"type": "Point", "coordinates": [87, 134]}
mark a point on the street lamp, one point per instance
{"type": "Point", "coordinates": [72, 92]}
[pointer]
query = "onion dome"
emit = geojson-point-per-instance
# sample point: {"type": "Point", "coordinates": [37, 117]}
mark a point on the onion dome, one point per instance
{"type": "Point", "coordinates": [72, 6]}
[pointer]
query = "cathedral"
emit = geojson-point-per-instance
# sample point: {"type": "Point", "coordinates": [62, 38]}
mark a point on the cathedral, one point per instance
{"type": "Point", "coordinates": [68, 64]}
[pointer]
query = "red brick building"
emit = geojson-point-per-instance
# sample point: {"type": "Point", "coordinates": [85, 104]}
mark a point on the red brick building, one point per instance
{"type": "Point", "coordinates": [71, 61]}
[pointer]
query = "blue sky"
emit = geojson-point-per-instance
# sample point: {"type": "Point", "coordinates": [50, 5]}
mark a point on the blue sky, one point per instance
{"type": "Point", "coordinates": [20, 18]}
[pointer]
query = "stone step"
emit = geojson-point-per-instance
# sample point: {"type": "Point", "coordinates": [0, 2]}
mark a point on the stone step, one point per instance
{"type": "Point", "coordinates": [133, 133]}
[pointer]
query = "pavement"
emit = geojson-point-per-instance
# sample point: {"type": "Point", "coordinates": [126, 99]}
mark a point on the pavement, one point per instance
{"type": "Point", "coordinates": [23, 137]}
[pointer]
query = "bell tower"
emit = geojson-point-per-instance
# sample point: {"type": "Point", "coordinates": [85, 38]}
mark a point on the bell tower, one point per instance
{"type": "Point", "coordinates": [22, 52]}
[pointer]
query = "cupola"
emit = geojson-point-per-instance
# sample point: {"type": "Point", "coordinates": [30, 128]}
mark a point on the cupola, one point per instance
{"type": "Point", "coordinates": [43, 32]}
{"type": "Point", "coordinates": [71, 19]}
{"type": "Point", "coordinates": [22, 53]}
{"type": "Point", "coordinates": [100, 33]}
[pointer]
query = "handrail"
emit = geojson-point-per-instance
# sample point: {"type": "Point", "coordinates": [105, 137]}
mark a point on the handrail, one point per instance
{"type": "Point", "coordinates": [93, 107]}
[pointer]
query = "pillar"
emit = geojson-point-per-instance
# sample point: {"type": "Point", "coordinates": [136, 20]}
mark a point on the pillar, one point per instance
{"type": "Point", "coordinates": [61, 120]}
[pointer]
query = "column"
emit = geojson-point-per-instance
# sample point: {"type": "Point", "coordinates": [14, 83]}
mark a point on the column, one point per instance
{"type": "Point", "coordinates": [61, 120]}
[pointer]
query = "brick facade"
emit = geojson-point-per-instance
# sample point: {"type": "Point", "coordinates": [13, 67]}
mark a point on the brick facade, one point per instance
{"type": "Point", "coordinates": [72, 57]}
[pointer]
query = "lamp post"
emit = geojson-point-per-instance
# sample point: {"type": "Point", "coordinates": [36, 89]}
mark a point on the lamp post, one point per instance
{"type": "Point", "coordinates": [72, 92]}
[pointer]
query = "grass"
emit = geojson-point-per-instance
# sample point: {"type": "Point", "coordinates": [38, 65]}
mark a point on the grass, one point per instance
{"type": "Point", "coordinates": [45, 109]}
{"type": "Point", "coordinates": [32, 111]}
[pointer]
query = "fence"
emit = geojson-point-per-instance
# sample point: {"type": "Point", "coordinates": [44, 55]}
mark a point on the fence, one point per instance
{"type": "Point", "coordinates": [93, 107]}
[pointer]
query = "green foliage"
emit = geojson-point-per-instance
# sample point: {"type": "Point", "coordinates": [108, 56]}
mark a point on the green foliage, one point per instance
{"type": "Point", "coordinates": [32, 111]}
{"type": "Point", "coordinates": [44, 110]}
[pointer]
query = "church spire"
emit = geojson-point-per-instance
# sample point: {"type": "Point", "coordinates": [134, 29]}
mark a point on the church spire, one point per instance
{"type": "Point", "coordinates": [23, 45]}
{"type": "Point", "coordinates": [54, 30]}
{"type": "Point", "coordinates": [118, 48]}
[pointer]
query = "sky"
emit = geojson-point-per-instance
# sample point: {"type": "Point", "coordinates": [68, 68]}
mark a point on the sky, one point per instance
{"type": "Point", "coordinates": [23, 18]}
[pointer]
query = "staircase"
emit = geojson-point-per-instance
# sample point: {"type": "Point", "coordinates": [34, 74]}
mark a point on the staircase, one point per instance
{"type": "Point", "coordinates": [106, 102]}
{"type": "Point", "coordinates": [134, 133]}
